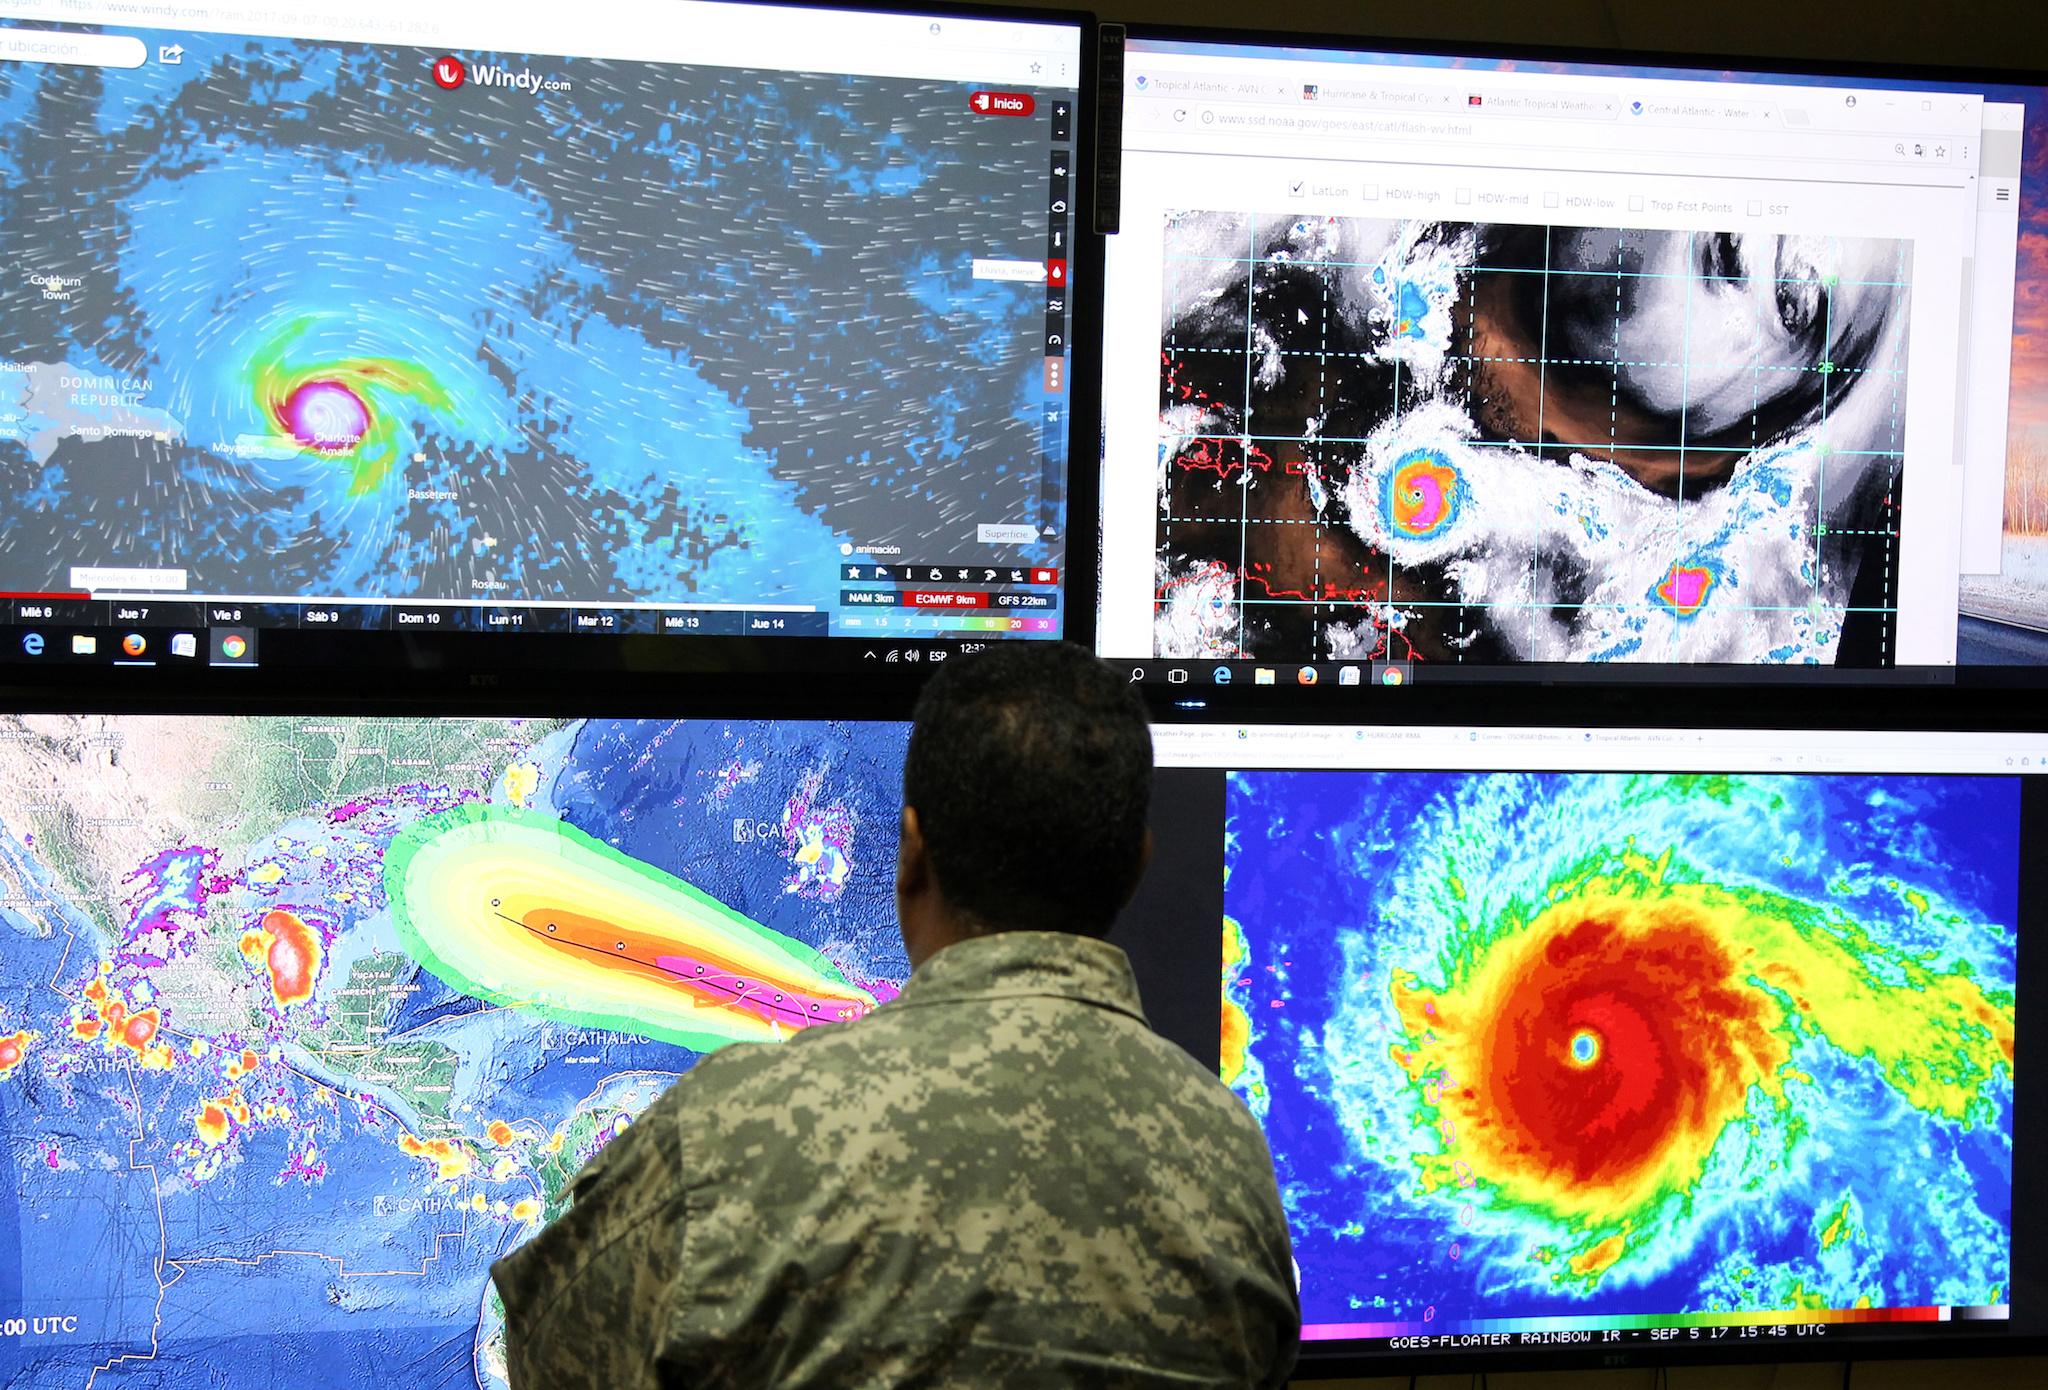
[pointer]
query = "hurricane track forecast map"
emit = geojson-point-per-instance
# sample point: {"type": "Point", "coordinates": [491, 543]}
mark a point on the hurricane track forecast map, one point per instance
{"type": "Point", "coordinates": [246, 1129]}
{"type": "Point", "coordinates": [297, 320]}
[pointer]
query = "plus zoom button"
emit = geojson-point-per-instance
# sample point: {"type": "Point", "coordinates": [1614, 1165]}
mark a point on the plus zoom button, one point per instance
{"type": "Point", "coordinates": [1002, 103]}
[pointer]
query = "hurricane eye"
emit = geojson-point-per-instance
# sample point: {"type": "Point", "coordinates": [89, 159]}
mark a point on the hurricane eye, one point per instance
{"type": "Point", "coordinates": [1798, 294]}
{"type": "Point", "coordinates": [1798, 304]}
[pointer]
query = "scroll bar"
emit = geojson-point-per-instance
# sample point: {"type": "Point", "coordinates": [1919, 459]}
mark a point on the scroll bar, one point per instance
{"type": "Point", "coordinates": [1967, 299]}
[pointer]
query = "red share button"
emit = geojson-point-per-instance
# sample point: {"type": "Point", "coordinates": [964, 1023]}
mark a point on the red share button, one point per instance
{"type": "Point", "coordinates": [1002, 103]}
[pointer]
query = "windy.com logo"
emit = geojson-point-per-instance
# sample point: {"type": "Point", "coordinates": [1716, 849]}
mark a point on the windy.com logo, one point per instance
{"type": "Point", "coordinates": [450, 73]}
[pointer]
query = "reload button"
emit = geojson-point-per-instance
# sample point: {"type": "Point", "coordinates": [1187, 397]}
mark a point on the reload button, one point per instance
{"type": "Point", "coordinates": [1002, 103]}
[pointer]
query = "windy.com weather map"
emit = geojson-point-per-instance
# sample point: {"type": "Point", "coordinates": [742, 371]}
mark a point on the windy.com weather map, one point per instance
{"type": "Point", "coordinates": [321, 320]}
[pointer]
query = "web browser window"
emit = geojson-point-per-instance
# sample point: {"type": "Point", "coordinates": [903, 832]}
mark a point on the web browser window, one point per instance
{"type": "Point", "coordinates": [700, 320]}
{"type": "Point", "coordinates": [1480, 365]}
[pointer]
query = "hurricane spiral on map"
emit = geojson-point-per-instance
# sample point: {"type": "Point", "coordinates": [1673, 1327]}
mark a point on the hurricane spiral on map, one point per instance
{"type": "Point", "coordinates": [1697, 1045]}
{"type": "Point", "coordinates": [347, 408]}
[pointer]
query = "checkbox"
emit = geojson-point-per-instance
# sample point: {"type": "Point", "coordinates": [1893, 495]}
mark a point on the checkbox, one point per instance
{"type": "Point", "coordinates": [1370, 193]}
{"type": "Point", "coordinates": [1756, 209]}
{"type": "Point", "coordinates": [1550, 200]}
{"type": "Point", "coordinates": [1464, 195]}
{"type": "Point", "coordinates": [1294, 189]}
{"type": "Point", "coordinates": [1635, 204]}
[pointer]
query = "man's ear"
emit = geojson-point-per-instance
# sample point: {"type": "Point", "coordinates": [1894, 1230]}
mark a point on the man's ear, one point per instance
{"type": "Point", "coordinates": [916, 892]}
{"type": "Point", "coordinates": [913, 872]}
{"type": "Point", "coordinates": [913, 865]}
{"type": "Point", "coordinates": [1145, 848]}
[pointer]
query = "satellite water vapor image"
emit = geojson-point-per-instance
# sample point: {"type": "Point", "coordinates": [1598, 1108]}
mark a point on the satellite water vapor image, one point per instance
{"type": "Point", "coordinates": [1441, 441]}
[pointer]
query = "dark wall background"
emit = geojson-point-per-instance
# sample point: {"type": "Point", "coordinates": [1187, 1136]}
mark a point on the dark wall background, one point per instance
{"type": "Point", "coordinates": [1965, 33]}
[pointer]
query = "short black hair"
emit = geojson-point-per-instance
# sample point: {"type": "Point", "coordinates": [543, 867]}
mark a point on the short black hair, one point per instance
{"type": "Point", "coordinates": [1030, 769]}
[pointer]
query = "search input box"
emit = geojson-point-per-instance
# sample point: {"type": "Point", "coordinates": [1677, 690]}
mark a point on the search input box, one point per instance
{"type": "Point", "coordinates": [1015, 272]}
{"type": "Point", "coordinates": [83, 50]}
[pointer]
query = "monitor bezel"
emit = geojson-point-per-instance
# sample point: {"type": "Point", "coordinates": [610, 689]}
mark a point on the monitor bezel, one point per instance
{"type": "Point", "coordinates": [1353, 703]}
{"type": "Point", "coordinates": [352, 667]}
{"type": "Point", "coordinates": [1186, 1012]}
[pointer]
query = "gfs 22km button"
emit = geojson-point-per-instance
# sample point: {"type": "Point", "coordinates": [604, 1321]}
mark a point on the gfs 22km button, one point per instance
{"type": "Point", "coordinates": [1002, 103]}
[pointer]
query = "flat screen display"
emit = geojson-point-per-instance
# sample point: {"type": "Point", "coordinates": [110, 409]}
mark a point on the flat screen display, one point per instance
{"type": "Point", "coordinates": [1486, 366]}
{"type": "Point", "coordinates": [304, 1022]}
{"type": "Point", "coordinates": [701, 321]}
{"type": "Point", "coordinates": [1645, 1043]}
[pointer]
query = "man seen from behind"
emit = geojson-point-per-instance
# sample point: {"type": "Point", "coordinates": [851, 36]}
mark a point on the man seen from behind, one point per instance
{"type": "Point", "coordinates": [1001, 1177]}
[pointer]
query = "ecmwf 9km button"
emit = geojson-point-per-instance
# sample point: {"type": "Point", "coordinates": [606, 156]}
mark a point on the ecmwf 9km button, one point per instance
{"type": "Point", "coordinates": [1002, 103]}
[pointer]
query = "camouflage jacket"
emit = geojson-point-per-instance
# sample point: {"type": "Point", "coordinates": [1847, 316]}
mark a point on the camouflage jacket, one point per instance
{"type": "Point", "coordinates": [1002, 1177]}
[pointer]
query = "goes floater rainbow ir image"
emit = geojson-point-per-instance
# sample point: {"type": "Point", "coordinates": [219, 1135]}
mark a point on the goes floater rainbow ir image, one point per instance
{"type": "Point", "coordinates": [1545, 1052]}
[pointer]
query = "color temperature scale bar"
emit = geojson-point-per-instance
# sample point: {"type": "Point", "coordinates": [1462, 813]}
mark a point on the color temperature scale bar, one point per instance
{"type": "Point", "coordinates": [1624, 1322]}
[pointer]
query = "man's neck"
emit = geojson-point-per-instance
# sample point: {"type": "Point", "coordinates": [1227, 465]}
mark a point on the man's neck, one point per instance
{"type": "Point", "coordinates": [927, 933]}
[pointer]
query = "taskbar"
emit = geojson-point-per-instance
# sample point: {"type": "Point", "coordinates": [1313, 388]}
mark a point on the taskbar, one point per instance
{"type": "Point", "coordinates": [51, 627]}
{"type": "Point", "coordinates": [111, 647]}
{"type": "Point", "coordinates": [1199, 677]}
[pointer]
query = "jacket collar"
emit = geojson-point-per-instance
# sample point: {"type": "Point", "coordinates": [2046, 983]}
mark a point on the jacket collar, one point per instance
{"type": "Point", "coordinates": [1024, 964]}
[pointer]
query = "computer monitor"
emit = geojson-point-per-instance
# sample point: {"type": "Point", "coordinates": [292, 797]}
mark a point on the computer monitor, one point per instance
{"type": "Point", "coordinates": [528, 338]}
{"type": "Point", "coordinates": [304, 1021]}
{"type": "Point", "coordinates": [1623, 1046]}
{"type": "Point", "coordinates": [1491, 364]}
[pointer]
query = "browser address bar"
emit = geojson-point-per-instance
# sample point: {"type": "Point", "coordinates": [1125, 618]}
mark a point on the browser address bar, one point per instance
{"type": "Point", "coordinates": [1606, 140]}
